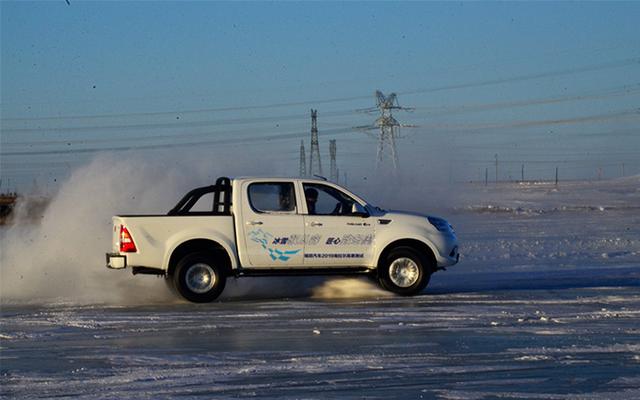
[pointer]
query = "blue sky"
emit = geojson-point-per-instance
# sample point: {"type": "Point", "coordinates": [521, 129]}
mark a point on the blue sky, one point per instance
{"type": "Point", "coordinates": [536, 83]}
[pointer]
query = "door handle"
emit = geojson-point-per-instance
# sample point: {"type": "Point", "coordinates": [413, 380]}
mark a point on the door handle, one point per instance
{"type": "Point", "coordinates": [314, 223]}
{"type": "Point", "coordinates": [254, 222]}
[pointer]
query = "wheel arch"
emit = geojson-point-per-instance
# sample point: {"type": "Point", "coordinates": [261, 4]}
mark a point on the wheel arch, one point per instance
{"type": "Point", "coordinates": [422, 247]}
{"type": "Point", "coordinates": [200, 245]}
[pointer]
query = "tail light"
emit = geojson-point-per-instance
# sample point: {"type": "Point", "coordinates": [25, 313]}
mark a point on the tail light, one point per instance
{"type": "Point", "coordinates": [126, 241]}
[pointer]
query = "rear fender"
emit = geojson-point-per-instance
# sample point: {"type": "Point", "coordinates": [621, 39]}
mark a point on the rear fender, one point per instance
{"type": "Point", "coordinates": [228, 244]}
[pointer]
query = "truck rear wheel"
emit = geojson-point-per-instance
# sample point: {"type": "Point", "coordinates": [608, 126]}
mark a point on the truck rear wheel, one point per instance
{"type": "Point", "coordinates": [199, 277]}
{"type": "Point", "coordinates": [404, 271]}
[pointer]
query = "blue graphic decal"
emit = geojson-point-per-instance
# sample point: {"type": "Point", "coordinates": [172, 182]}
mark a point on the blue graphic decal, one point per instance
{"type": "Point", "coordinates": [265, 238]}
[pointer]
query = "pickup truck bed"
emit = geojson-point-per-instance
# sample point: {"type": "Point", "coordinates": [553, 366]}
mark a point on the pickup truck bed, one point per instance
{"type": "Point", "coordinates": [157, 237]}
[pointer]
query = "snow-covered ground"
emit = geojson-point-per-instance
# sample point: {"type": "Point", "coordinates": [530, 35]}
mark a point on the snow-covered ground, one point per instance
{"type": "Point", "coordinates": [545, 303]}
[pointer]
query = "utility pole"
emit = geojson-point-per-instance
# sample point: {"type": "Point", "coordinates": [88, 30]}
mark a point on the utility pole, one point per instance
{"type": "Point", "coordinates": [556, 176]}
{"type": "Point", "coordinates": [332, 164]}
{"type": "Point", "coordinates": [522, 174]}
{"type": "Point", "coordinates": [338, 176]}
{"type": "Point", "coordinates": [486, 176]}
{"type": "Point", "coordinates": [496, 156]}
{"type": "Point", "coordinates": [303, 161]}
{"type": "Point", "coordinates": [315, 165]}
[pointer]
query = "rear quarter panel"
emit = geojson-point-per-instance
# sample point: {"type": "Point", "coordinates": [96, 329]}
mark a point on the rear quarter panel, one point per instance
{"type": "Point", "coordinates": [156, 237]}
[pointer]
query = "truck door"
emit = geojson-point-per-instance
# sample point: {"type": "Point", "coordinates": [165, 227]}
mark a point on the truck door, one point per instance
{"type": "Point", "coordinates": [273, 228]}
{"type": "Point", "coordinates": [337, 228]}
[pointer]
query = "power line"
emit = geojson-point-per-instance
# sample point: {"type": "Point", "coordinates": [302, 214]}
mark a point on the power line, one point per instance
{"type": "Point", "coordinates": [467, 129]}
{"type": "Point", "coordinates": [527, 77]}
{"type": "Point", "coordinates": [133, 138]}
{"type": "Point", "coordinates": [473, 128]}
{"type": "Point", "coordinates": [172, 145]}
{"type": "Point", "coordinates": [198, 111]}
{"type": "Point", "coordinates": [618, 91]}
{"type": "Point", "coordinates": [169, 125]}
{"type": "Point", "coordinates": [511, 61]}
{"type": "Point", "coordinates": [560, 72]}
{"type": "Point", "coordinates": [529, 161]}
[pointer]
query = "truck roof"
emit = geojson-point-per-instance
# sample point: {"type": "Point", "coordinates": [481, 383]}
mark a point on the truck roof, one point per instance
{"type": "Point", "coordinates": [287, 178]}
{"type": "Point", "coordinates": [298, 179]}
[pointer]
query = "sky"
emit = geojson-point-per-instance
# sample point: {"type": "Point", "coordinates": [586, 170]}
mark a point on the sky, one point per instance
{"type": "Point", "coordinates": [535, 85]}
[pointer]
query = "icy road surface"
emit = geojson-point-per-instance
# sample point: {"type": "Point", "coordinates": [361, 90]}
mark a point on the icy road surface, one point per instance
{"type": "Point", "coordinates": [555, 342]}
{"type": "Point", "coordinates": [545, 304]}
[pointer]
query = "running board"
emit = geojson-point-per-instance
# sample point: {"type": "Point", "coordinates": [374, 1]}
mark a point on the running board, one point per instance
{"type": "Point", "coordinates": [147, 271]}
{"type": "Point", "coordinates": [301, 271]}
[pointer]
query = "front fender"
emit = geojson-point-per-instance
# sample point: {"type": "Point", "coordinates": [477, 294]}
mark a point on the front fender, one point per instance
{"type": "Point", "coordinates": [382, 246]}
{"type": "Point", "coordinates": [409, 227]}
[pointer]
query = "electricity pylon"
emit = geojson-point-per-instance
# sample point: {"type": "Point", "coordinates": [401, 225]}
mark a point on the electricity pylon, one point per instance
{"type": "Point", "coordinates": [332, 154]}
{"type": "Point", "coordinates": [388, 127]}
{"type": "Point", "coordinates": [303, 160]}
{"type": "Point", "coordinates": [315, 166]}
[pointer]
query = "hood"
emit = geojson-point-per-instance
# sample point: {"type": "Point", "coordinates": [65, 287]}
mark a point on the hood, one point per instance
{"type": "Point", "coordinates": [391, 213]}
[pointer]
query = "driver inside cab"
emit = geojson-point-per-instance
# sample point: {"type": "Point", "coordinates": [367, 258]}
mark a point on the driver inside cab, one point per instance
{"type": "Point", "coordinates": [312, 197]}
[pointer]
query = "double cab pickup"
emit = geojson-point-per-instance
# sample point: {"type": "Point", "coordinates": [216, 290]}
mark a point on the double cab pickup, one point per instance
{"type": "Point", "coordinates": [280, 226]}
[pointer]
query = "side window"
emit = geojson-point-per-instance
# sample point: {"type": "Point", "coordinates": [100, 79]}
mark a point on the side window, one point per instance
{"type": "Point", "coordinates": [325, 200]}
{"type": "Point", "coordinates": [272, 197]}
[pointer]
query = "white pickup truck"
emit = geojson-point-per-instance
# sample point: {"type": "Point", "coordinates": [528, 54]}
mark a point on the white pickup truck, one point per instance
{"type": "Point", "coordinates": [280, 226]}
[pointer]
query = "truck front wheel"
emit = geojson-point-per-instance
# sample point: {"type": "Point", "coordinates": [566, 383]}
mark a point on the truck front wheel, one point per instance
{"type": "Point", "coordinates": [404, 271]}
{"type": "Point", "coordinates": [199, 278]}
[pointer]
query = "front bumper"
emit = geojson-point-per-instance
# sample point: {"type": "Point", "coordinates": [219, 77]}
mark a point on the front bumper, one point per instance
{"type": "Point", "coordinates": [116, 261]}
{"type": "Point", "coordinates": [449, 253]}
{"type": "Point", "coordinates": [454, 256]}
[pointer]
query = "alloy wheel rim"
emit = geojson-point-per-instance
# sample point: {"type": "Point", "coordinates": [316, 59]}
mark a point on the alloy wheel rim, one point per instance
{"type": "Point", "coordinates": [200, 278]}
{"type": "Point", "coordinates": [404, 272]}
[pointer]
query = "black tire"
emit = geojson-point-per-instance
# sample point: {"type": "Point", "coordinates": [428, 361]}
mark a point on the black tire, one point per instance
{"type": "Point", "coordinates": [418, 266]}
{"type": "Point", "coordinates": [170, 284]}
{"type": "Point", "coordinates": [199, 277]}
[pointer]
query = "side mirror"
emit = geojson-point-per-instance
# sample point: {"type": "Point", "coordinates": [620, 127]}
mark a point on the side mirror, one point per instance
{"type": "Point", "coordinates": [356, 212]}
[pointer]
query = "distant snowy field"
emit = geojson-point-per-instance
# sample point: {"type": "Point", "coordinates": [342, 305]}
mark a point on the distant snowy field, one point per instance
{"type": "Point", "coordinates": [545, 303]}
{"type": "Point", "coordinates": [577, 224]}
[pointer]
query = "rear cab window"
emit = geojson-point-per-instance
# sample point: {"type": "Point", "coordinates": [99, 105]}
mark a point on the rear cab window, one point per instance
{"type": "Point", "coordinates": [272, 197]}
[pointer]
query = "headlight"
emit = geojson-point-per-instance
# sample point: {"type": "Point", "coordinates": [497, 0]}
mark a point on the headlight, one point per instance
{"type": "Point", "coordinates": [440, 224]}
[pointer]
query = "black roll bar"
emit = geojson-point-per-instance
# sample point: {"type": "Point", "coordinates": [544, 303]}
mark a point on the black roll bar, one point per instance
{"type": "Point", "coordinates": [221, 199]}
